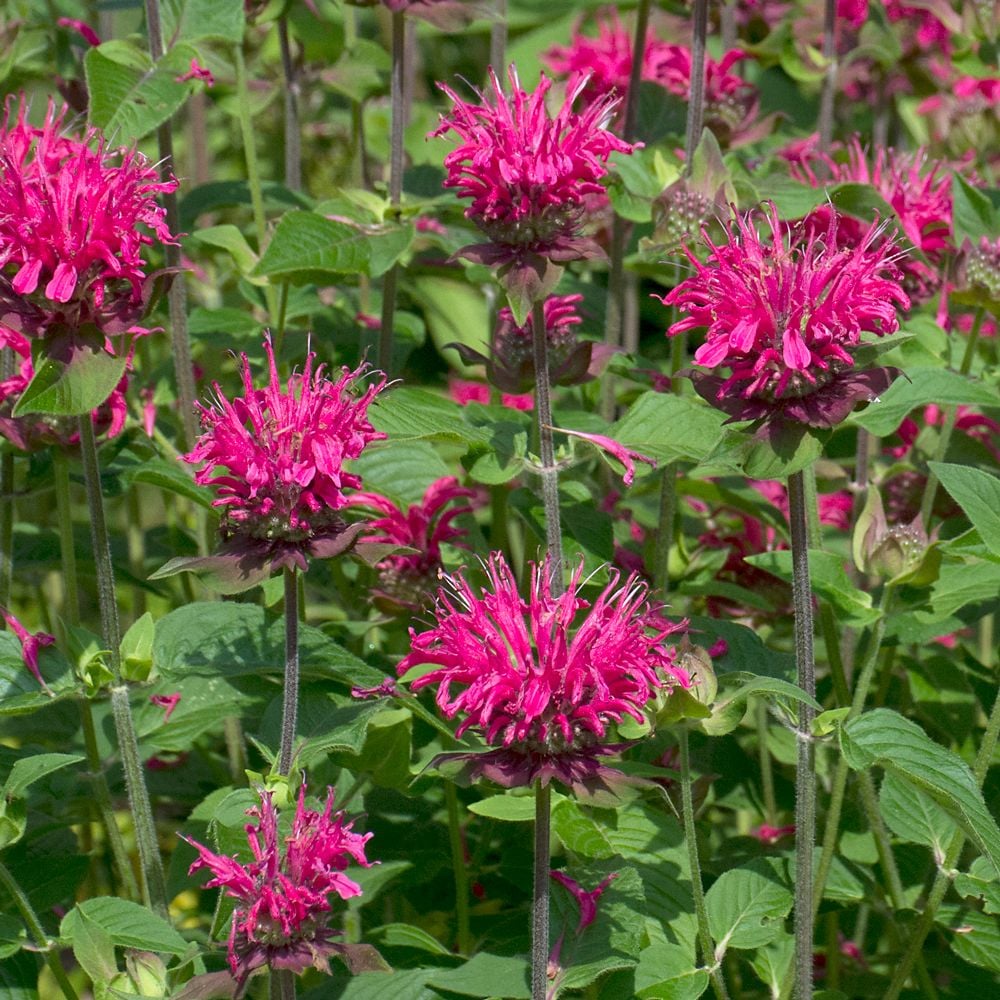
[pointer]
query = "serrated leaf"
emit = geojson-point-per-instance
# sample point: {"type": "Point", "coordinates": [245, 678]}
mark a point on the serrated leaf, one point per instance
{"type": "Point", "coordinates": [978, 494]}
{"type": "Point", "coordinates": [667, 972]}
{"type": "Point", "coordinates": [668, 427]}
{"type": "Point", "coordinates": [93, 949]}
{"type": "Point", "coordinates": [304, 242]}
{"type": "Point", "coordinates": [973, 936]}
{"type": "Point", "coordinates": [227, 237]}
{"type": "Point", "coordinates": [28, 770]}
{"type": "Point", "coordinates": [128, 925]}
{"type": "Point", "coordinates": [920, 387]}
{"type": "Point", "coordinates": [193, 20]}
{"type": "Point", "coordinates": [414, 414]}
{"type": "Point", "coordinates": [914, 816]}
{"type": "Point", "coordinates": [746, 908]}
{"type": "Point", "coordinates": [71, 389]}
{"type": "Point", "coordinates": [885, 739]}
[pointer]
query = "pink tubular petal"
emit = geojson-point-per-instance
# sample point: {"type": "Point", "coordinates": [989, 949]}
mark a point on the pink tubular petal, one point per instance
{"type": "Point", "coordinates": [626, 456]}
{"type": "Point", "coordinates": [63, 283]}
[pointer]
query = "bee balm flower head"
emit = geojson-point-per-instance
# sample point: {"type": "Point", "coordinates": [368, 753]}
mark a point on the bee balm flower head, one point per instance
{"type": "Point", "coordinates": [283, 895]}
{"type": "Point", "coordinates": [786, 317]}
{"type": "Point", "coordinates": [543, 679]}
{"type": "Point", "coordinates": [283, 449]}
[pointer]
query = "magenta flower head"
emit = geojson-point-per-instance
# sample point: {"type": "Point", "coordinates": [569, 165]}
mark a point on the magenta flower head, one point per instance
{"type": "Point", "coordinates": [281, 451]}
{"type": "Point", "coordinates": [405, 579]}
{"type": "Point", "coordinates": [283, 895]}
{"type": "Point", "coordinates": [544, 679]}
{"type": "Point", "coordinates": [786, 317]}
{"type": "Point", "coordinates": [529, 174]}
{"type": "Point", "coordinates": [74, 218]}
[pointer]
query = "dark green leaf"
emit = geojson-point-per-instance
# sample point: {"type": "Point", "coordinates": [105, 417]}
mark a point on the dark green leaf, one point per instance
{"type": "Point", "coordinates": [486, 975]}
{"type": "Point", "coordinates": [973, 936]}
{"type": "Point", "coordinates": [28, 770]}
{"type": "Point", "coordinates": [668, 427]}
{"type": "Point", "coordinates": [71, 390]}
{"type": "Point", "coordinates": [973, 214]}
{"type": "Point", "coordinates": [746, 908]}
{"type": "Point", "coordinates": [978, 494]}
{"type": "Point", "coordinates": [414, 414]}
{"type": "Point", "coordinates": [305, 242]}
{"type": "Point", "coordinates": [19, 977]}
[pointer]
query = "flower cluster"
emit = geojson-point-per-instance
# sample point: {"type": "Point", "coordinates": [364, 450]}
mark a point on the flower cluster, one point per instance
{"type": "Point", "coordinates": [70, 236]}
{"type": "Point", "coordinates": [785, 316]}
{"type": "Point", "coordinates": [283, 897]}
{"type": "Point", "coordinates": [283, 450]}
{"type": "Point", "coordinates": [529, 174]}
{"type": "Point", "coordinates": [543, 679]}
{"type": "Point", "coordinates": [404, 578]}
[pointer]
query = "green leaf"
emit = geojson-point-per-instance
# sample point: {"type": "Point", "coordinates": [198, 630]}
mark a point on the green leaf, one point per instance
{"type": "Point", "coordinates": [129, 96]}
{"type": "Point", "coordinates": [914, 816]}
{"type": "Point", "coordinates": [94, 949]}
{"type": "Point", "coordinates": [455, 311]}
{"type": "Point", "coordinates": [666, 972]}
{"type": "Point", "coordinates": [401, 471]}
{"type": "Point", "coordinates": [171, 476]}
{"type": "Point", "coordinates": [885, 739]}
{"type": "Point", "coordinates": [385, 755]}
{"type": "Point", "coordinates": [75, 388]}
{"type": "Point", "coordinates": [745, 653]}
{"type": "Point", "coordinates": [486, 975]}
{"type": "Point", "coordinates": [772, 962]}
{"type": "Point", "coordinates": [227, 237]}
{"type": "Point", "coordinates": [923, 386]}
{"type": "Point", "coordinates": [746, 908]}
{"type": "Point", "coordinates": [861, 200]}
{"type": "Point", "coordinates": [13, 936]}
{"type": "Point", "coordinates": [786, 450]}
{"type": "Point", "coordinates": [387, 245]}
{"type": "Point", "coordinates": [973, 936]}
{"type": "Point", "coordinates": [128, 924]}
{"type": "Point", "coordinates": [407, 984]}
{"type": "Point", "coordinates": [19, 977]}
{"type": "Point", "coordinates": [508, 808]}
{"type": "Point", "coordinates": [137, 649]}
{"type": "Point", "coordinates": [978, 494]}
{"type": "Point", "coordinates": [407, 414]}
{"type": "Point", "coordinates": [305, 241]}
{"type": "Point", "coordinates": [332, 727]}
{"type": "Point", "coordinates": [981, 883]}
{"type": "Point", "coordinates": [28, 770]}
{"type": "Point", "coordinates": [408, 936]}
{"type": "Point", "coordinates": [973, 214]}
{"type": "Point", "coordinates": [668, 427]}
{"type": "Point", "coordinates": [194, 20]}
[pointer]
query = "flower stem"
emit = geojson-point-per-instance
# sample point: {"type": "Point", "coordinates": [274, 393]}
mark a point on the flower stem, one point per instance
{"type": "Point", "coordinates": [540, 892]}
{"type": "Point", "coordinates": [391, 280]}
{"type": "Point", "coordinates": [293, 140]}
{"type": "Point", "coordinates": [665, 529]}
{"type": "Point", "coordinates": [498, 38]}
{"type": "Point", "coordinates": [697, 891]}
{"type": "Point", "coordinates": [696, 99]}
{"type": "Point", "coordinates": [253, 170]}
{"type": "Point", "coordinates": [764, 757]}
{"type": "Point", "coordinates": [942, 880]}
{"type": "Point", "coordinates": [940, 453]}
{"type": "Point", "coordinates": [459, 869]}
{"type": "Point", "coordinates": [154, 887]}
{"type": "Point", "coordinates": [830, 77]}
{"type": "Point", "coordinates": [290, 705]}
{"type": "Point", "coordinates": [805, 778]}
{"type": "Point", "coordinates": [546, 447]}
{"type": "Point", "coordinates": [67, 547]}
{"type": "Point", "coordinates": [36, 930]}
{"type": "Point", "coordinates": [6, 496]}
{"type": "Point", "coordinates": [177, 294]}
{"type": "Point", "coordinates": [282, 984]}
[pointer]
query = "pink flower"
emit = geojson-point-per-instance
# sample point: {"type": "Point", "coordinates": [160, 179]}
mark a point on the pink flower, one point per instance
{"type": "Point", "coordinates": [587, 901]}
{"type": "Point", "coordinates": [528, 174]}
{"type": "Point", "coordinates": [463, 392]}
{"type": "Point", "coordinates": [786, 317]}
{"type": "Point", "coordinates": [168, 702]}
{"type": "Point", "coordinates": [283, 451]}
{"type": "Point", "coordinates": [197, 72]}
{"type": "Point", "coordinates": [930, 36]}
{"type": "Point", "coordinates": [853, 12]}
{"type": "Point", "coordinates": [626, 456]}
{"type": "Point", "coordinates": [404, 578]}
{"type": "Point", "coordinates": [74, 217]}
{"type": "Point", "coordinates": [31, 644]}
{"type": "Point", "coordinates": [36, 432]}
{"type": "Point", "coordinates": [544, 679]}
{"type": "Point", "coordinates": [282, 896]}
{"type": "Point", "coordinates": [84, 30]}
{"type": "Point", "coordinates": [769, 835]}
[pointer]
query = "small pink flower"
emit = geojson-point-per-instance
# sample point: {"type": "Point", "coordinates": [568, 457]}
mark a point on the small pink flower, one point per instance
{"type": "Point", "coordinates": [542, 679]}
{"type": "Point", "coordinates": [197, 72]}
{"type": "Point", "coordinates": [282, 450]}
{"type": "Point", "coordinates": [404, 578]}
{"type": "Point", "coordinates": [587, 901]}
{"type": "Point", "coordinates": [463, 392]}
{"type": "Point", "coordinates": [74, 217]}
{"type": "Point", "coordinates": [282, 895]}
{"type": "Point", "coordinates": [626, 456]}
{"type": "Point", "coordinates": [528, 174]}
{"type": "Point", "coordinates": [769, 835]}
{"type": "Point", "coordinates": [31, 644]}
{"type": "Point", "coordinates": [387, 689]}
{"type": "Point", "coordinates": [84, 30]}
{"type": "Point", "coordinates": [168, 702]}
{"type": "Point", "coordinates": [785, 317]}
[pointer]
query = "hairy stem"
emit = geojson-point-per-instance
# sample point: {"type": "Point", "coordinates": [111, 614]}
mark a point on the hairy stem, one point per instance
{"type": "Point", "coordinates": [665, 528]}
{"type": "Point", "coordinates": [549, 472]}
{"type": "Point", "coordinates": [697, 891]}
{"type": "Point", "coordinates": [6, 497]}
{"type": "Point", "coordinates": [290, 703]}
{"type": "Point", "coordinates": [805, 778]}
{"type": "Point", "coordinates": [498, 39]}
{"type": "Point", "coordinates": [153, 881]}
{"type": "Point", "coordinates": [293, 138]}
{"type": "Point", "coordinates": [459, 870]}
{"type": "Point", "coordinates": [830, 78]}
{"type": "Point", "coordinates": [282, 984]}
{"type": "Point", "coordinates": [696, 100]}
{"type": "Point", "coordinates": [67, 546]}
{"type": "Point", "coordinates": [540, 892]}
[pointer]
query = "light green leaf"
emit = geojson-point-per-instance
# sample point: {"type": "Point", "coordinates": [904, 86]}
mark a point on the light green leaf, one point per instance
{"type": "Point", "coordinates": [193, 20]}
{"type": "Point", "coordinates": [885, 739]}
{"type": "Point", "coordinates": [666, 972]}
{"type": "Point", "coordinates": [408, 936]}
{"type": "Point", "coordinates": [94, 949]}
{"type": "Point", "coordinates": [305, 242]}
{"type": "Point", "coordinates": [486, 975]}
{"type": "Point", "coordinates": [509, 808]}
{"type": "Point", "coordinates": [227, 237]}
{"type": "Point", "coordinates": [914, 816]}
{"type": "Point", "coordinates": [407, 414]}
{"type": "Point", "coordinates": [978, 494]}
{"type": "Point", "coordinates": [128, 924]}
{"type": "Point", "coordinates": [668, 427]}
{"type": "Point", "coordinates": [746, 908]}
{"type": "Point", "coordinates": [973, 936]}
{"type": "Point", "coordinates": [72, 389]}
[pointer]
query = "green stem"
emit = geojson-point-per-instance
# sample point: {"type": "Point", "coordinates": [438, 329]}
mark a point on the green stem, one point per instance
{"type": "Point", "coordinates": [825, 126]}
{"type": "Point", "coordinates": [253, 170]}
{"type": "Point", "coordinates": [498, 39]}
{"type": "Point", "coordinates": [942, 881]}
{"type": "Point", "coordinates": [136, 541]}
{"type": "Point", "coordinates": [236, 751]}
{"type": "Point", "coordinates": [67, 546]}
{"type": "Point", "coordinates": [766, 769]}
{"type": "Point", "coordinates": [930, 490]}
{"type": "Point", "coordinates": [697, 891]}
{"type": "Point", "coordinates": [36, 930]}
{"type": "Point", "coordinates": [459, 869]}
{"type": "Point", "coordinates": [805, 777]}
{"type": "Point", "coordinates": [499, 535]}
{"type": "Point", "coordinates": [540, 892]}
{"type": "Point", "coordinates": [290, 704]}
{"type": "Point", "coordinates": [396, 98]}
{"type": "Point", "coordinates": [282, 984]}
{"type": "Point", "coordinates": [293, 139]}
{"type": "Point", "coordinates": [153, 881]}
{"type": "Point", "coordinates": [548, 472]}
{"type": "Point", "coordinates": [665, 528]}
{"type": "Point", "coordinates": [696, 99]}
{"type": "Point", "coordinates": [6, 497]}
